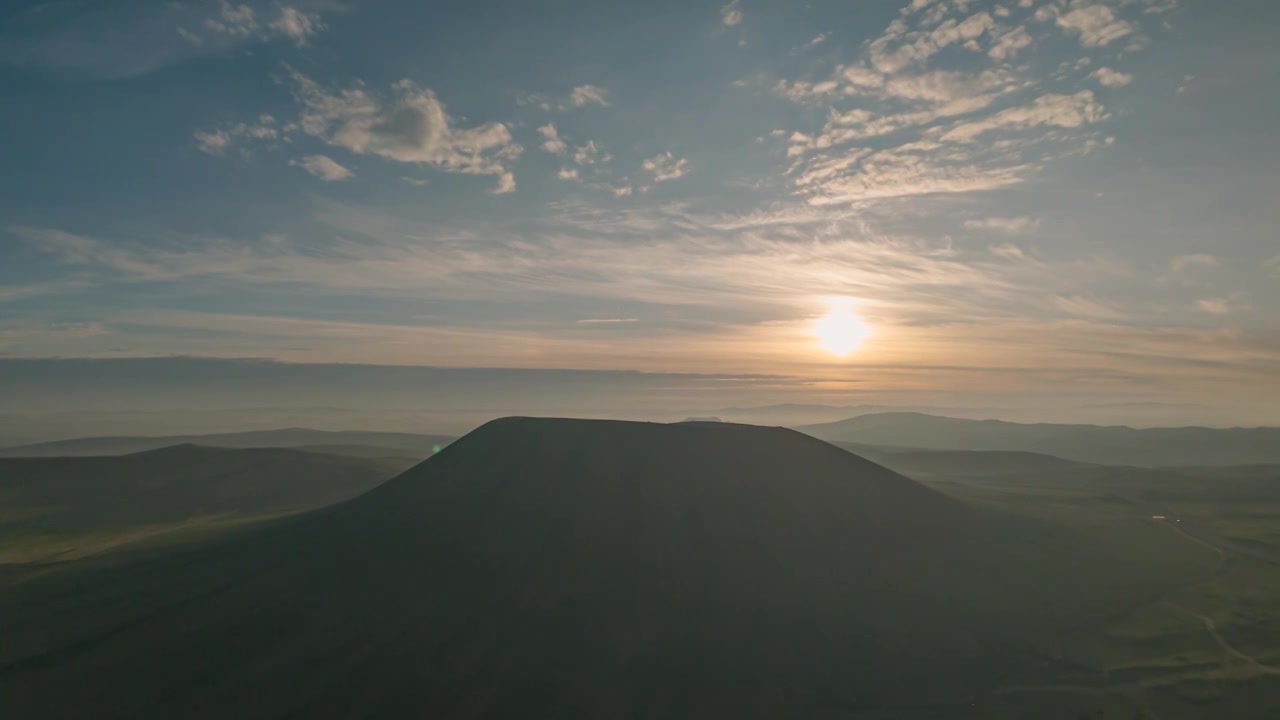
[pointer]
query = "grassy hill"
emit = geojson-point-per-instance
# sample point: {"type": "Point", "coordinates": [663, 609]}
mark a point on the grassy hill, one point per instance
{"type": "Point", "coordinates": [580, 569]}
{"type": "Point", "coordinates": [411, 444]}
{"type": "Point", "coordinates": [61, 508]}
{"type": "Point", "coordinates": [1106, 445]}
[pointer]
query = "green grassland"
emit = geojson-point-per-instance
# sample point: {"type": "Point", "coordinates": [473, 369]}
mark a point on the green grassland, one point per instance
{"type": "Point", "coordinates": [1208, 644]}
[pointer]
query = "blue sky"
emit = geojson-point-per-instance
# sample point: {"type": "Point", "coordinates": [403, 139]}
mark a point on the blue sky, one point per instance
{"type": "Point", "coordinates": [1031, 201]}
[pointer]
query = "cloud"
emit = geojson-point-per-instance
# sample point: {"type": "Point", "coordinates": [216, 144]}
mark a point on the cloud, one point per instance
{"type": "Point", "coordinates": [906, 170]}
{"type": "Point", "coordinates": [323, 167]}
{"type": "Point", "coordinates": [413, 127]}
{"type": "Point", "coordinates": [588, 95]}
{"type": "Point", "coordinates": [1010, 43]}
{"type": "Point", "coordinates": [85, 251]}
{"type": "Point", "coordinates": [943, 159]}
{"type": "Point", "coordinates": [897, 49]}
{"type": "Point", "coordinates": [242, 21]}
{"type": "Point", "coordinates": [568, 174]}
{"type": "Point", "coordinates": [606, 321]}
{"type": "Point", "coordinates": [506, 184]}
{"type": "Point", "coordinates": [233, 20]}
{"type": "Point", "coordinates": [1194, 261]}
{"type": "Point", "coordinates": [1216, 306]}
{"type": "Point", "coordinates": [9, 293]}
{"type": "Point", "coordinates": [218, 140]}
{"type": "Point", "coordinates": [551, 141]}
{"type": "Point", "coordinates": [580, 96]}
{"type": "Point", "coordinates": [1155, 7]}
{"type": "Point", "coordinates": [590, 154]}
{"type": "Point", "coordinates": [1112, 78]}
{"type": "Point", "coordinates": [665, 166]}
{"type": "Point", "coordinates": [296, 24]}
{"type": "Point", "coordinates": [1007, 250]}
{"type": "Point", "coordinates": [1066, 111]}
{"type": "Point", "coordinates": [213, 142]}
{"type": "Point", "coordinates": [731, 14]}
{"type": "Point", "coordinates": [816, 41]}
{"type": "Point", "coordinates": [1094, 23]}
{"type": "Point", "coordinates": [1008, 225]}
{"type": "Point", "coordinates": [895, 126]}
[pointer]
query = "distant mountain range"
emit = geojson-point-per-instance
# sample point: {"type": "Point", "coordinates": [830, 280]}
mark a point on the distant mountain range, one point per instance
{"type": "Point", "coordinates": [791, 414]}
{"type": "Point", "coordinates": [1108, 445]}
{"type": "Point", "coordinates": [405, 444]}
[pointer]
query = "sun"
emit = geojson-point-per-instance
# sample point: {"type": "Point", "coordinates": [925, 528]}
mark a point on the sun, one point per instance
{"type": "Point", "coordinates": [840, 331]}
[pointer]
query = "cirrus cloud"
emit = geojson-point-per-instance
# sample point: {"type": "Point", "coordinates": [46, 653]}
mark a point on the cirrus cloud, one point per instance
{"type": "Point", "coordinates": [323, 167]}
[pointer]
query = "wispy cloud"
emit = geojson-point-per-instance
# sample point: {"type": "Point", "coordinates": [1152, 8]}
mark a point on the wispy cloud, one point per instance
{"type": "Point", "coordinates": [706, 285]}
{"type": "Point", "coordinates": [666, 166]}
{"type": "Point", "coordinates": [323, 167]}
{"type": "Point", "coordinates": [588, 95]}
{"type": "Point", "coordinates": [551, 141]}
{"type": "Point", "coordinates": [1112, 78]}
{"type": "Point", "coordinates": [1063, 111]}
{"type": "Point", "coordinates": [897, 127]}
{"type": "Point", "coordinates": [731, 14]}
{"type": "Point", "coordinates": [1194, 261]}
{"type": "Point", "coordinates": [243, 21]}
{"type": "Point", "coordinates": [1010, 43]}
{"type": "Point", "coordinates": [1008, 225]}
{"type": "Point", "coordinates": [1095, 23]}
{"type": "Point", "coordinates": [1217, 306]}
{"type": "Point", "coordinates": [126, 39]}
{"type": "Point", "coordinates": [217, 141]}
{"type": "Point", "coordinates": [815, 41]}
{"type": "Point", "coordinates": [296, 24]}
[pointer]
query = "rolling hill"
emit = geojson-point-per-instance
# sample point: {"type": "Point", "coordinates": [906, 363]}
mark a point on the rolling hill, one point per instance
{"type": "Point", "coordinates": [67, 507]}
{"type": "Point", "coordinates": [402, 443]}
{"type": "Point", "coordinates": [1106, 445]}
{"type": "Point", "coordinates": [575, 569]}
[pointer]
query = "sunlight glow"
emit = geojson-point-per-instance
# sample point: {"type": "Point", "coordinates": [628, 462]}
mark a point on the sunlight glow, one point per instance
{"type": "Point", "coordinates": [840, 331]}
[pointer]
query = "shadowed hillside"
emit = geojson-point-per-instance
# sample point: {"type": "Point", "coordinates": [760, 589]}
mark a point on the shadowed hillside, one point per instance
{"type": "Point", "coordinates": [400, 443]}
{"type": "Point", "coordinates": [1107, 445]}
{"type": "Point", "coordinates": [569, 569]}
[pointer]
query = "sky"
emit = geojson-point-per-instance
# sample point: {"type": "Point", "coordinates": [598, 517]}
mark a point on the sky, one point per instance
{"type": "Point", "coordinates": [1053, 204]}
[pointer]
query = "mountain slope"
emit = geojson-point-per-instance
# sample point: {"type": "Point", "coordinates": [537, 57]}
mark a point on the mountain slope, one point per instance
{"type": "Point", "coordinates": [1113, 445]}
{"type": "Point", "coordinates": [419, 445]}
{"type": "Point", "coordinates": [567, 569]}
